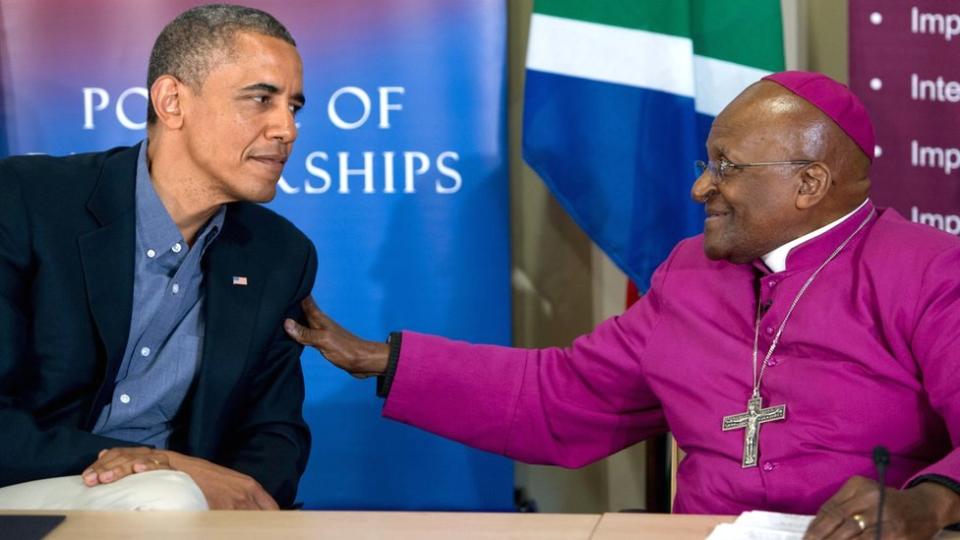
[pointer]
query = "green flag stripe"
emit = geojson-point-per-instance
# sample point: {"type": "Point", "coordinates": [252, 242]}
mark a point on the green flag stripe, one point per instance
{"type": "Point", "coordinates": [746, 32]}
{"type": "Point", "coordinates": [661, 16]}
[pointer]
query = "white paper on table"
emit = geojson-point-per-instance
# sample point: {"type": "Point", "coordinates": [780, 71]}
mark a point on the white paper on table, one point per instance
{"type": "Point", "coordinates": [757, 525]}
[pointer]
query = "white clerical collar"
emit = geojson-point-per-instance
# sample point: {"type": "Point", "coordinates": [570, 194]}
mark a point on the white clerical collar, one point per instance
{"type": "Point", "coordinates": [776, 260]}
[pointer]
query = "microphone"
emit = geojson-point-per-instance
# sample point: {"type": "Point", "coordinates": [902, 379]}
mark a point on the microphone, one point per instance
{"type": "Point", "coordinates": [881, 458]}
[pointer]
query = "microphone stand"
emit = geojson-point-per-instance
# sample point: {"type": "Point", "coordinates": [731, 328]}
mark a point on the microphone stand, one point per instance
{"type": "Point", "coordinates": [881, 458]}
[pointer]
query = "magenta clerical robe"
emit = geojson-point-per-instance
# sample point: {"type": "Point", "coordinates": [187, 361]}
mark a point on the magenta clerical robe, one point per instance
{"type": "Point", "coordinates": [870, 356]}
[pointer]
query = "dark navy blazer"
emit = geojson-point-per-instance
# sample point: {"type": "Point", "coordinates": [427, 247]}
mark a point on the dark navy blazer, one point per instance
{"type": "Point", "coordinates": [66, 286]}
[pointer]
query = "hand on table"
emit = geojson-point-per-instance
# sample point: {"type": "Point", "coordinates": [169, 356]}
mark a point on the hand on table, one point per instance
{"type": "Point", "coordinates": [915, 513]}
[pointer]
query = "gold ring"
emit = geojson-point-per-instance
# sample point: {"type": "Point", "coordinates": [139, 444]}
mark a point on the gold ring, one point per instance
{"type": "Point", "coordinates": [156, 462]}
{"type": "Point", "coordinates": [862, 523]}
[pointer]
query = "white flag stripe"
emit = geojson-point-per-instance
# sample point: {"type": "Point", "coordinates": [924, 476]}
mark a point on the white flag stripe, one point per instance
{"type": "Point", "coordinates": [719, 81]}
{"type": "Point", "coordinates": [635, 58]}
{"type": "Point", "coordinates": [611, 54]}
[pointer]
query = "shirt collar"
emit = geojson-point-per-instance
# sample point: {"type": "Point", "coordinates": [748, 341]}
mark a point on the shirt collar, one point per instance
{"type": "Point", "coordinates": [776, 260]}
{"type": "Point", "coordinates": [156, 228]}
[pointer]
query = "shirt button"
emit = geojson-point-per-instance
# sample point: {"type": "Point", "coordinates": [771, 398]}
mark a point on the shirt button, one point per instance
{"type": "Point", "coordinates": [768, 466]}
{"type": "Point", "coordinates": [772, 283]}
{"type": "Point", "coordinates": [124, 399]}
{"type": "Point", "coordinates": [176, 248]}
{"type": "Point", "coordinates": [772, 362]}
{"type": "Point", "coordinates": [145, 351]}
{"type": "Point", "coordinates": [151, 253]}
{"type": "Point", "coordinates": [769, 329]}
{"type": "Point", "coordinates": [175, 288]}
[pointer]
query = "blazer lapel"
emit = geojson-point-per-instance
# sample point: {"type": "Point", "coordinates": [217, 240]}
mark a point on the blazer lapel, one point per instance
{"type": "Point", "coordinates": [106, 256]}
{"type": "Point", "coordinates": [233, 284]}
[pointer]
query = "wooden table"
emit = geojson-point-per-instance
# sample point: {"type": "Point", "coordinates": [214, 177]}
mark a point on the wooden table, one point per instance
{"type": "Point", "coordinates": [383, 526]}
{"type": "Point", "coordinates": [674, 527]}
{"type": "Point", "coordinates": [656, 526]}
{"type": "Point", "coordinates": [323, 526]}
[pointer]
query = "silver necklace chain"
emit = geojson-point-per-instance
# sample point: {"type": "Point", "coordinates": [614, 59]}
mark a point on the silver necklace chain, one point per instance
{"type": "Point", "coordinates": [776, 338]}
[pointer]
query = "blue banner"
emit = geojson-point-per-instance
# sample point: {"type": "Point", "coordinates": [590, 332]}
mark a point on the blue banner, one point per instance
{"type": "Point", "coordinates": [398, 176]}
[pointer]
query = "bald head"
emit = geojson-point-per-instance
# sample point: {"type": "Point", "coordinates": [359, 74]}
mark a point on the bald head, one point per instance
{"type": "Point", "coordinates": [793, 127]}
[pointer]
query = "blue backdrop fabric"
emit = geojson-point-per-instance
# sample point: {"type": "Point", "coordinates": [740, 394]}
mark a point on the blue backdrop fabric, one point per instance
{"type": "Point", "coordinates": [398, 176]}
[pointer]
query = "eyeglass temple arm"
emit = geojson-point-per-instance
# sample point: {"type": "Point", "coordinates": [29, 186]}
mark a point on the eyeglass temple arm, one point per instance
{"type": "Point", "coordinates": [765, 163]}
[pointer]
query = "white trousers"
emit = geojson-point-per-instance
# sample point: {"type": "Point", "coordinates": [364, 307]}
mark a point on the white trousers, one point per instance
{"type": "Point", "coordinates": [151, 490]}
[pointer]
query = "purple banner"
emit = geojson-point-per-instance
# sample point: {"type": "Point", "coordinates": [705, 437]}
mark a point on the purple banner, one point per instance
{"type": "Point", "coordinates": [905, 66]}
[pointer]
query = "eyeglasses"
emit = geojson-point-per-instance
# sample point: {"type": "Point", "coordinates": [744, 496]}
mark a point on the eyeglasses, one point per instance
{"type": "Point", "coordinates": [721, 167]}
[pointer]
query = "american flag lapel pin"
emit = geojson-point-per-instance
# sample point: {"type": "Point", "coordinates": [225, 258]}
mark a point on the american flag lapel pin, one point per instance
{"type": "Point", "coordinates": [240, 281]}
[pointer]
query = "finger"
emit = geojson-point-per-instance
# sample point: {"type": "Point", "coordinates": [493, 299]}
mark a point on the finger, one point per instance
{"type": "Point", "coordinates": [850, 528]}
{"type": "Point", "coordinates": [115, 473]}
{"type": "Point", "coordinates": [111, 470]}
{"type": "Point", "coordinates": [293, 329]}
{"type": "Point", "coordinates": [824, 524]}
{"type": "Point", "coordinates": [145, 466]}
{"type": "Point", "coordinates": [264, 501]}
{"type": "Point", "coordinates": [247, 504]}
{"type": "Point", "coordinates": [104, 456]}
{"type": "Point", "coordinates": [840, 522]}
{"type": "Point", "coordinates": [111, 453]}
{"type": "Point", "coordinates": [854, 487]}
{"type": "Point", "coordinates": [152, 462]}
{"type": "Point", "coordinates": [300, 333]}
{"type": "Point", "coordinates": [242, 501]}
{"type": "Point", "coordinates": [862, 503]}
{"type": "Point", "coordinates": [109, 461]}
{"type": "Point", "coordinates": [845, 502]}
{"type": "Point", "coordinates": [315, 317]}
{"type": "Point", "coordinates": [106, 476]}
{"type": "Point", "coordinates": [89, 477]}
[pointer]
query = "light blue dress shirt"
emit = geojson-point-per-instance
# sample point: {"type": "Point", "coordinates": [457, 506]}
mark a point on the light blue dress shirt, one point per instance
{"type": "Point", "coordinates": [166, 328]}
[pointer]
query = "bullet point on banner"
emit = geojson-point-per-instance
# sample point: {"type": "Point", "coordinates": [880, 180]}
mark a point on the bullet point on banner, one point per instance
{"type": "Point", "coordinates": [876, 83]}
{"type": "Point", "coordinates": [876, 17]}
{"type": "Point", "coordinates": [877, 151]}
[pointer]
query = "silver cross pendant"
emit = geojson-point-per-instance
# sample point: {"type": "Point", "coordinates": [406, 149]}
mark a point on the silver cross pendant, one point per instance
{"type": "Point", "coordinates": [750, 421]}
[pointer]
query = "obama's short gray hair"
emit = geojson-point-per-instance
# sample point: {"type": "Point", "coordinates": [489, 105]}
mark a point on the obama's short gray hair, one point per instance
{"type": "Point", "coordinates": [188, 47]}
